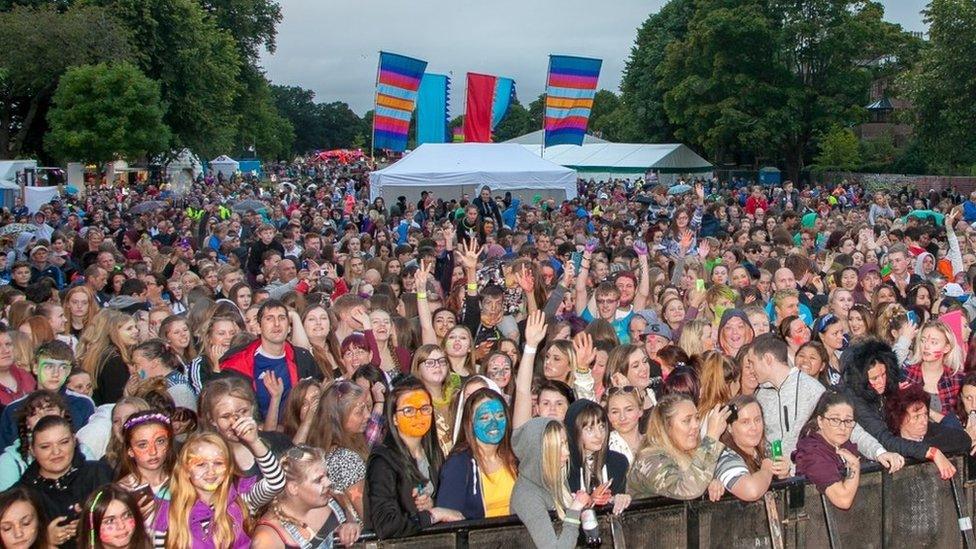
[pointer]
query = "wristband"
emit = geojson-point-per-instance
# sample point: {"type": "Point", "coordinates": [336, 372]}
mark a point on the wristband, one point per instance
{"type": "Point", "coordinates": [571, 520]}
{"type": "Point", "coordinates": [421, 295]}
{"type": "Point", "coordinates": [529, 349]}
{"type": "Point", "coordinates": [472, 286]}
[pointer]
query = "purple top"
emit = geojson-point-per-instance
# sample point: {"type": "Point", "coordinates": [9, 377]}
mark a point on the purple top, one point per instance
{"type": "Point", "coordinates": [816, 459]}
{"type": "Point", "coordinates": [202, 516]}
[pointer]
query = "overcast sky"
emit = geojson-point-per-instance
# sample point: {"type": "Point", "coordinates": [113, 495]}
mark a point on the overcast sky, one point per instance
{"type": "Point", "coordinates": [332, 47]}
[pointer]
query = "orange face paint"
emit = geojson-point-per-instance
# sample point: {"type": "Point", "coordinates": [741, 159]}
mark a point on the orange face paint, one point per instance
{"type": "Point", "coordinates": [149, 445]}
{"type": "Point", "coordinates": [415, 402]}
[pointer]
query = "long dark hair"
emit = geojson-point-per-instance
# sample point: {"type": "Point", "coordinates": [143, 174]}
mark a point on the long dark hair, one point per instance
{"type": "Point", "coordinates": [22, 494]}
{"type": "Point", "coordinates": [432, 449]}
{"type": "Point", "coordinates": [753, 463]}
{"type": "Point", "coordinates": [466, 435]}
{"type": "Point", "coordinates": [94, 510]}
{"type": "Point", "coordinates": [828, 400]}
{"type": "Point", "coordinates": [589, 413]}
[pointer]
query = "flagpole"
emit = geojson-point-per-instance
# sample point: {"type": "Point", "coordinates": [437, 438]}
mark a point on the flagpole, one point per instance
{"type": "Point", "coordinates": [376, 91]}
{"type": "Point", "coordinates": [545, 97]}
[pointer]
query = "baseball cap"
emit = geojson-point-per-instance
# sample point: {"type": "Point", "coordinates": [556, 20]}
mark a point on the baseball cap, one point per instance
{"type": "Point", "coordinates": [658, 328]}
{"type": "Point", "coordinates": [36, 249]}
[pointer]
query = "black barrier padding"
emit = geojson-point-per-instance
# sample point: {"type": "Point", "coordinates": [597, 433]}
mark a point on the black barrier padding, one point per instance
{"type": "Point", "coordinates": [860, 527]}
{"type": "Point", "coordinates": [501, 538]}
{"type": "Point", "coordinates": [438, 541]}
{"type": "Point", "coordinates": [733, 524]}
{"type": "Point", "coordinates": [919, 511]}
{"type": "Point", "coordinates": [660, 528]}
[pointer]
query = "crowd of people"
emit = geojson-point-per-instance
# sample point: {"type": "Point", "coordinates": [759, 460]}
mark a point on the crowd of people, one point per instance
{"type": "Point", "coordinates": [313, 364]}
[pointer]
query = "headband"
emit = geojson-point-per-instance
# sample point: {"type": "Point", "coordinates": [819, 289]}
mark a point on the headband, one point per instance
{"type": "Point", "coordinates": [91, 519]}
{"type": "Point", "coordinates": [139, 420]}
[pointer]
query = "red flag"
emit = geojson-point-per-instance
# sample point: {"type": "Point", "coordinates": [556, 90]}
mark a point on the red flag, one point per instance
{"type": "Point", "coordinates": [477, 116]}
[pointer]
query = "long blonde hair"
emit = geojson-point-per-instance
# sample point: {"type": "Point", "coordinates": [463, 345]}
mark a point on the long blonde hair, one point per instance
{"type": "Point", "coordinates": [952, 359]}
{"type": "Point", "coordinates": [183, 496]}
{"type": "Point", "coordinates": [553, 470]}
{"type": "Point", "coordinates": [716, 375]}
{"type": "Point", "coordinates": [692, 338]}
{"type": "Point", "coordinates": [657, 437]}
{"type": "Point", "coordinates": [102, 338]}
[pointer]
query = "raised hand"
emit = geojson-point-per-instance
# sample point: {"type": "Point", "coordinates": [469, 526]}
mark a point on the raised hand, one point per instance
{"type": "Point", "coordinates": [585, 355]}
{"type": "Point", "coordinates": [422, 276]}
{"type": "Point", "coordinates": [535, 328]}
{"type": "Point", "coordinates": [246, 430]}
{"type": "Point", "coordinates": [469, 252]}
{"type": "Point", "coordinates": [703, 248]}
{"type": "Point", "coordinates": [686, 239]}
{"type": "Point", "coordinates": [274, 384]}
{"type": "Point", "coordinates": [526, 281]}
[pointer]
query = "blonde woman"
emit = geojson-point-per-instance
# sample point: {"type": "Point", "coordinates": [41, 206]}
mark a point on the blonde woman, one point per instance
{"type": "Point", "coordinates": [205, 480]}
{"type": "Point", "coordinates": [432, 368]}
{"type": "Point", "coordinates": [107, 357]}
{"type": "Point", "coordinates": [459, 347]}
{"type": "Point", "coordinates": [218, 335]}
{"type": "Point", "coordinates": [937, 367]}
{"type": "Point", "coordinates": [676, 460]}
{"type": "Point", "coordinates": [543, 453]}
{"type": "Point", "coordinates": [697, 337]}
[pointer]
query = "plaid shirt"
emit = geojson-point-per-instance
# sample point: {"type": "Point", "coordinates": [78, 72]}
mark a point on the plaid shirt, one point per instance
{"type": "Point", "coordinates": [375, 429]}
{"type": "Point", "coordinates": [949, 386]}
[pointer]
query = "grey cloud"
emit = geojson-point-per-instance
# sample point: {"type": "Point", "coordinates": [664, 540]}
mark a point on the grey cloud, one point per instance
{"type": "Point", "coordinates": [332, 47]}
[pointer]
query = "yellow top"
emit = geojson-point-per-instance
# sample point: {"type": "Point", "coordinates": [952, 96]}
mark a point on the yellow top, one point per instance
{"type": "Point", "coordinates": [497, 491]}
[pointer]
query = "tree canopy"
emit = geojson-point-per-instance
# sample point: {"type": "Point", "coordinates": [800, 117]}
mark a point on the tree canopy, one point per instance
{"type": "Point", "coordinates": [104, 112]}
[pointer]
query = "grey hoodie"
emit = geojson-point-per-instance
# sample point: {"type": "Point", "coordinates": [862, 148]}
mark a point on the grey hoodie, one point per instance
{"type": "Point", "coordinates": [531, 500]}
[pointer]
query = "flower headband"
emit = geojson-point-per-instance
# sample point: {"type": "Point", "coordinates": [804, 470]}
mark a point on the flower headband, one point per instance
{"type": "Point", "coordinates": [139, 420]}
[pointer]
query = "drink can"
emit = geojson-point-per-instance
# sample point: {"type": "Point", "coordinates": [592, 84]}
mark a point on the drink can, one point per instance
{"type": "Point", "coordinates": [776, 449]}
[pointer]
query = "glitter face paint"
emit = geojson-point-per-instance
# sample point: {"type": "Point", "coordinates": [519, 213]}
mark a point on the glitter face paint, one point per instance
{"type": "Point", "coordinates": [490, 422]}
{"type": "Point", "coordinates": [149, 445]}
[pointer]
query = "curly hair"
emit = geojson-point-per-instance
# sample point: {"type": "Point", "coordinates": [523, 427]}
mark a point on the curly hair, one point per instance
{"type": "Point", "coordinates": [897, 406]}
{"type": "Point", "coordinates": [861, 357]}
{"type": "Point", "coordinates": [35, 401]}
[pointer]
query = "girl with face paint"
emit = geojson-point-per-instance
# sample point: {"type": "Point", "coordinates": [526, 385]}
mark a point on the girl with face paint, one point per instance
{"type": "Point", "coordinates": [110, 519]}
{"type": "Point", "coordinates": [148, 458]}
{"type": "Point", "coordinates": [937, 366]}
{"type": "Point", "coordinates": [402, 472]}
{"type": "Point", "coordinates": [206, 479]}
{"type": "Point", "coordinates": [478, 477]}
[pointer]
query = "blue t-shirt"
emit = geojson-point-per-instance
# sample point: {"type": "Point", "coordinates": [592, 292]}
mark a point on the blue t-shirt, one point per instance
{"type": "Point", "coordinates": [264, 363]}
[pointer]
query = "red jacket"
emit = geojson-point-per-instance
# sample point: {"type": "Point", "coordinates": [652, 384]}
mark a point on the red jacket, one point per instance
{"type": "Point", "coordinates": [753, 203]}
{"type": "Point", "coordinates": [300, 362]}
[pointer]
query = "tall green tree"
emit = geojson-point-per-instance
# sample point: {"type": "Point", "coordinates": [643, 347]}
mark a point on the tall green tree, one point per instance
{"type": "Point", "coordinates": [197, 64]}
{"type": "Point", "coordinates": [943, 86]}
{"type": "Point", "coordinates": [642, 87]}
{"type": "Point", "coordinates": [515, 123]}
{"type": "Point", "coordinates": [37, 45]}
{"type": "Point", "coordinates": [297, 105]}
{"type": "Point", "coordinates": [252, 23]}
{"type": "Point", "coordinates": [839, 150]}
{"type": "Point", "coordinates": [262, 132]}
{"type": "Point", "coordinates": [104, 112]}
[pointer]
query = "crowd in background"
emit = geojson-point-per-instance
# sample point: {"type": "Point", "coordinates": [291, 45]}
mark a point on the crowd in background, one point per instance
{"type": "Point", "coordinates": [282, 362]}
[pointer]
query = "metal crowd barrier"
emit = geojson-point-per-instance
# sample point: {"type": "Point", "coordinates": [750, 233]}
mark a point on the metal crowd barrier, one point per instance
{"type": "Point", "coordinates": [912, 508]}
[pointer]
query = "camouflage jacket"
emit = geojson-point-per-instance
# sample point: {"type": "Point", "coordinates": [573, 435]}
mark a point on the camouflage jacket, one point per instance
{"type": "Point", "coordinates": [656, 473]}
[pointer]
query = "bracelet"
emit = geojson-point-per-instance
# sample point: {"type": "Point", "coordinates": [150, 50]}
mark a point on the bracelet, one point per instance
{"type": "Point", "coordinates": [529, 349]}
{"type": "Point", "coordinates": [472, 286]}
{"type": "Point", "coordinates": [571, 520]}
{"type": "Point", "coordinates": [421, 295]}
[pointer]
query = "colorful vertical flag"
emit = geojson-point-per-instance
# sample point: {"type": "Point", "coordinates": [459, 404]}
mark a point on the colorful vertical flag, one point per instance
{"type": "Point", "coordinates": [504, 94]}
{"type": "Point", "coordinates": [458, 136]}
{"type": "Point", "coordinates": [397, 82]}
{"type": "Point", "coordinates": [432, 116]}
{"type": "Point", "coordinates": [570, 89]}
{"type": "Point", "coordinates": [477, 114]}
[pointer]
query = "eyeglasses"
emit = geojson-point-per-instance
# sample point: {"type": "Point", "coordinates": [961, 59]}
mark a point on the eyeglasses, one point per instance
{"type": "Point", "coordinates": [410, 411]}
{"type": "Point", "coordinates": [840, 422]}
{"type": "Point", "coordinates": [354, 351]}
{"type": "Point", "coordinates": [607, 301]}
{"type": "Point", "coordinates": [435, 362]}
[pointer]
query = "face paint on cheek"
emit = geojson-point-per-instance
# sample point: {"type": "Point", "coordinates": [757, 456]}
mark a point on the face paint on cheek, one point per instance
{"type": "Point", "coordinates": [492, 429]}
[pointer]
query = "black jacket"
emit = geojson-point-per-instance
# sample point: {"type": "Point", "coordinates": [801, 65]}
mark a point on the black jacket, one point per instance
{"type": "Point", "coordinates": [388, 500]}
{"type": "Point", "coordinates": [615, 464]}
{"type": "Point", "coordinates": [59, 497]}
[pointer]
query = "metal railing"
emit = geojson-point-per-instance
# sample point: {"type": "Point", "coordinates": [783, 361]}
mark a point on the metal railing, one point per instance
{"type": "Point", "coordinates": [912, 508]}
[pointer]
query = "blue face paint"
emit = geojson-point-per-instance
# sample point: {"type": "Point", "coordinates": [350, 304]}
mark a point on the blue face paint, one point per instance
{"type": "Point", "coordinates": [490, 422]}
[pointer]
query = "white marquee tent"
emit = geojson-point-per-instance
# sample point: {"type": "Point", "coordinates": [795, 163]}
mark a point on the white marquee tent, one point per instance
{"type": "Point", "coordinates": [183, 169]}
{"type": "Point", "coordinates": [450, 169]}
{"type": "Point", "coordinates": [536, 138]}
{"type": "Point", "coordinates": [225, 165]}
{"type": "Point", "coordinates": [608, 160]}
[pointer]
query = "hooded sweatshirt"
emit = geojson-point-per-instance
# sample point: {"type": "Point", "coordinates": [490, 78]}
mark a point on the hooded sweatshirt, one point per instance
{"type": "Point", "coordinates": [531, 500]}
{"type": "Point", "coordinates": [615, 464]}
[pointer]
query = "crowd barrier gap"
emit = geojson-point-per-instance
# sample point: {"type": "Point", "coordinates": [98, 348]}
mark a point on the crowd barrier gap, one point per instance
{"type": "Point", "coordinates": [913, 508]}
